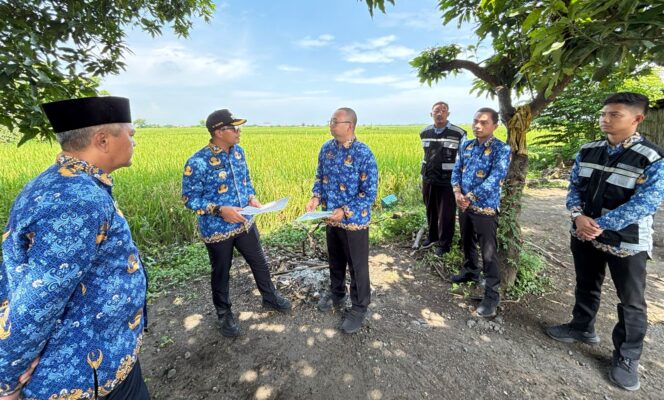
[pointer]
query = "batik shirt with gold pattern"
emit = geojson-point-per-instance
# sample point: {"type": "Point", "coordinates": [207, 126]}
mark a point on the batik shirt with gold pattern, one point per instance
{"type": "Point", "coordinates": [479, 173]}
{"type": "Point", "coordinates": [72, 287]}
{"type": "Point", "coordinates": [347, 178]}
{"type": "Point", "coordinates": [214, 178]}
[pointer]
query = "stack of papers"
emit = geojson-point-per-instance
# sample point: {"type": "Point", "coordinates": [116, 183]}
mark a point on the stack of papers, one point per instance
{"type": "Point", "coordinates": [310, 216]}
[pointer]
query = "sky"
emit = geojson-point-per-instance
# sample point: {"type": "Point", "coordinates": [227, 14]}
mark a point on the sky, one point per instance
{"type": "Point", "coordinates": [292, 62]}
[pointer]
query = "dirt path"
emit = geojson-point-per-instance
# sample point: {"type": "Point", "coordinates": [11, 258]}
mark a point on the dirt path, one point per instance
{"type": "Point", "coordinates": [421, 341]}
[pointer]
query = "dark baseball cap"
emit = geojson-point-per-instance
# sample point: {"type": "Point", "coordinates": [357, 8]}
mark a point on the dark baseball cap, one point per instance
{"type": "Point", "coordinates": [67, 115]}
{"type": "Point", "coordinates": [221, 118]}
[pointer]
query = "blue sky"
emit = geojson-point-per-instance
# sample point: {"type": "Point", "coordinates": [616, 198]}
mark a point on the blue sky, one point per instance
{"type": "Point", "coordinates": [291, 62]}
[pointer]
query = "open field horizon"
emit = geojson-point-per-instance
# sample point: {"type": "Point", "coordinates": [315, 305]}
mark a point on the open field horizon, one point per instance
{"type": "Point", "coordinates": [282, 162]}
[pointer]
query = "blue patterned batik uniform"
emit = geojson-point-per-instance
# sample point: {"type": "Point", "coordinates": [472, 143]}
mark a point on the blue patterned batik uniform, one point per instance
{"type": "Point", "coordinates": [648, 194]}
{"type": "Point", "coordinates": [213, 178]}
{"type": "Point", "coordinates": [72, 287]}
{"type": "Point", "coordinates": [347, 178]}
{"type": "Point", "coordinates": [479, 173]}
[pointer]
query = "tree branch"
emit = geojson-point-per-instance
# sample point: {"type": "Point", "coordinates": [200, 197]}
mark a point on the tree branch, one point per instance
{"type": "Point", "coordinates": [475, 68]}
{"type": "Point", "coordinates": [540, 102]}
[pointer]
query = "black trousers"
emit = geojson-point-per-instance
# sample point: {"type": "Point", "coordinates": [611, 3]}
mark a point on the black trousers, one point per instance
{"type": "Point", "coordinates": [441, 209]}
{"type": "Point", "coordinates": [221, 257]}
{"type": "Point", "coordinates": [132, 388]}
{"type": "Point", "coordinates": [629, 278]}
{"type": "Point", "coordinates": [349, 248]}
{"type": "Point", "coordinates": [477, 228]}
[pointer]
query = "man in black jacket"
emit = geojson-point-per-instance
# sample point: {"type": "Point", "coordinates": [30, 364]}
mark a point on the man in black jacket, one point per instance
{"type": "Point", "coordinates": [440, 143]}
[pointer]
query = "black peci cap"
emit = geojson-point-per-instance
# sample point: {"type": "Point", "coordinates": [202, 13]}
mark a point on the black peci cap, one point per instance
{"type": "Point", "coordinates": [66, 115]}
{"type": "Point", "coordinates": [221, 118]}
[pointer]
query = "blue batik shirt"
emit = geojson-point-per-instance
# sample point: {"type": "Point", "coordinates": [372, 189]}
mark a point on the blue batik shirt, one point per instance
{"type": "Point", "coordinates": [347, 178]}
{"type": "Point", "coordinates": [214, 178]}
{"type": "Point", "coordinates": [648, 194]}
{"type": "Point", "coordinates": [479, 173]}
{"type": "Point", "coordinates": [72, 287]}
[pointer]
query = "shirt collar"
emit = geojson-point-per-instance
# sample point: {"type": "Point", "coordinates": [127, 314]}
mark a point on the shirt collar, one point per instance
{"type": "Point", "coordinates": [347, 144]}
{"type": "Point", "coordinates": [487, 143]}
{"type": "Point", "coordinates": [70, 165]}
{"type": "Point", "coordinates": [628, 142]}
{"type": "Point", "coordinates": [439, 130]}
{"type": "Point", "coordinates": [216, 149]}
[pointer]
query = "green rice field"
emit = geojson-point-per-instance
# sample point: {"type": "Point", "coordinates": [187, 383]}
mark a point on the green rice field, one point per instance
{"type": "Point", "coordinates": [282, 161]}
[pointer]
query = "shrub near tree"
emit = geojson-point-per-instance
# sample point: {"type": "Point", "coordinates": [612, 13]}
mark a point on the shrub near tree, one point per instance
{"type": "Point", "coordinates": [539, 47]}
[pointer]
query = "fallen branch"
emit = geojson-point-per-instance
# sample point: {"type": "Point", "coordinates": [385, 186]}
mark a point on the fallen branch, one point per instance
{"type": "Point", "coordinates": [546, 253]}
{"type": "Point", "coordinates": [418, 237]}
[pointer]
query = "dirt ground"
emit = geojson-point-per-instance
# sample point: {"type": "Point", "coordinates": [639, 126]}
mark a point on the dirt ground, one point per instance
{"type": "Point", "coordinates": [421, 341]}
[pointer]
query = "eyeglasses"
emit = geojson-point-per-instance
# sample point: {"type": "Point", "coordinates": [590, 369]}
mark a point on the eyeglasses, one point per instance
{"type": "Point", "coordinates": [333, 122]}
{"type": "Point", "coordinates": [230, 128]}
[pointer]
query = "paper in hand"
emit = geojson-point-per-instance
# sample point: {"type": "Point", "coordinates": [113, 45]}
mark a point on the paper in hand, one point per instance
{"type": "Point", "coordinates": [310, 216]}
{"type": "Point", "coordinates": [273, 206]}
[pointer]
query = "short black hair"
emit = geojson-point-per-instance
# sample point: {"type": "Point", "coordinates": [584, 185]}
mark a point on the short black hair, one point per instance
{"type": "Point", "coordinates": [631, 99]}
{"type": "Point", "coordinates": [494, 113]}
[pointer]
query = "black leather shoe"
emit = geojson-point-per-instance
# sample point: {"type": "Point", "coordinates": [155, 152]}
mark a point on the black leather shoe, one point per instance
{"type": "Point", "coordinates": [624, 372]}
{"type": "Point", "coordinates": [463, 278]}
{"type": "Point", "coordinates": [329, 301]}
{"type": "Point", "coordinates": [566, 334]}
{"type": "Point", "coordinates": [353, 321]}
{"type": "Point", "coordinates": [427, 243]}
{"type": "Point", "coordinates": [229, 326]}
{"type": "Point", "coordinates": [440, 251]}
{"type": "Point", "coordinates": [487, 308]}
{"type": "Point", "coordinates": [278, 303]}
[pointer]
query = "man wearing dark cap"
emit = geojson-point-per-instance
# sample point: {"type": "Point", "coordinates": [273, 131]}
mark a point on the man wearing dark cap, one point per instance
{"type": "Point", "coordinates": [216, 185]}
{"type": "Point", "coordinates": [72, 287]}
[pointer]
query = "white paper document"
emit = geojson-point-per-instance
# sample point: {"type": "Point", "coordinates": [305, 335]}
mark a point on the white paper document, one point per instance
{"type": "Point", "coordinates": [310, 216]}
{"type": "Point", "coordinates": [273, 206]}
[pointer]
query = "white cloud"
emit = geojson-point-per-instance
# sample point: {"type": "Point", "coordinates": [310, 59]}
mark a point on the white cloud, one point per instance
{"type": "Point", "coordinates": [357, 76]}
{"type": "Point", "coordinates": [424, 20]}
{"type": "Point", "coordinates": [377, 50]}
{"type": "Point", "coordinates": [176, 65]}
{"type": "Point", "coordinates": [320, 41]}
{"type": "Point", "coordinates": [289, 68]}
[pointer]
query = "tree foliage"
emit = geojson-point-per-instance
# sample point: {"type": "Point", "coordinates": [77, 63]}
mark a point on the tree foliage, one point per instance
{"type": "Point", "coordinates": [537, 47]}
{"type": "Point", "coordinates": [54, 49]}
{"type": "Point", "coordinates": [572, 119]}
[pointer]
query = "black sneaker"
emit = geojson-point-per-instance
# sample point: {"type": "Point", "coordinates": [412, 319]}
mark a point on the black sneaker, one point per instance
{"type": "Point", "coordinates": [353, 321]}
{"type": "Point", "coordinates": [487, 308]}
{"type": "Point", "coordinates": [463, 278]}
{"type": "Point", "coordinates": [427, 243]}
{"type": "Point", "coordinates": [329, 301]}
{"type": "Point", "coordinates": [229, 326]}
{"type": "Point", "coordinates": [624, 372]}
{"type": "Point", "coordinates": [279, 303]}
{"type": "Point", "coordinates": [440, 251]}
{"type": "Point", "coordinates": [566, 334]}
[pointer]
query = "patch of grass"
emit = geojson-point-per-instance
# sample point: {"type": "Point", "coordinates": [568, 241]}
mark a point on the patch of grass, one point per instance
{"type": "Point", "coordinates": [173, 265]}
{"type": "Point", "coordinates": [530, 278]}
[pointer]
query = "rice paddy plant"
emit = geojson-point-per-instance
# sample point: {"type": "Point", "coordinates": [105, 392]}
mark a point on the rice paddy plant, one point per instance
{"type": "Point", "coordinates": [282, 161]}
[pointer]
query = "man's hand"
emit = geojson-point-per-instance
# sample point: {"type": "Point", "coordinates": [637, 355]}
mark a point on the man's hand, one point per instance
{"type": "Point", "coordinates": [22, 380]}
{"type": "Point", "coordinates": [231, 215]}
{"type": "Point", "coordinates": [337, 215]}
{"type": "Point", "coordinates": [587, 228]}
{"type": "Point", "coordinates": [462, 201]}
{"type": "Point", "coordinates": [312, 204]}
{"type": "Point", "coordinates": [255, 203]}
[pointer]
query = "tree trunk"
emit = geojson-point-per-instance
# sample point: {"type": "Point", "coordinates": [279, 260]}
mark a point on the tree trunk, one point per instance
{"type": "Point", "coordinates": [509, 231]}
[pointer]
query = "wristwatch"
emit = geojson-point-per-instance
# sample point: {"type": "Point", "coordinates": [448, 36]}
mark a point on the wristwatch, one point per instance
{"type": "Point", "coordinates": [575, 214]}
